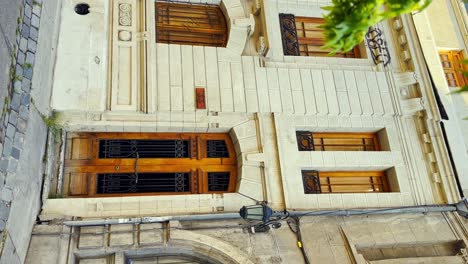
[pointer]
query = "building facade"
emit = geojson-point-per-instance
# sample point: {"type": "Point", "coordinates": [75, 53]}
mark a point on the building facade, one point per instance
{"type": "Point", "coordinates": [174, 108]}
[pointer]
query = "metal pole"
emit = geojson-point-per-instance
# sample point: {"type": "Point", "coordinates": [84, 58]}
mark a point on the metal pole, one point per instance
{"type": "Point", "coordinates": [230, 216]}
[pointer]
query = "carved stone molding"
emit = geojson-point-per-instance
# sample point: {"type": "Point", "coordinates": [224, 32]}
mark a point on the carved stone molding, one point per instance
{"type": "Point", "coordinates": [125, 35]}
{"type": "Point", "coordinates": [125, 15]}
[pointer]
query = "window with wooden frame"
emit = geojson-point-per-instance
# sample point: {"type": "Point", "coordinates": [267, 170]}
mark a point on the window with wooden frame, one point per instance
{"type": "Point", "coordinates": [302, 36]}
{"type": "Point", "coordinates": [453, 68]}
{"type": "Point", "coordinates": [120, 164]}
{"type": "Point", "coordinates": [313, 141]}
{"type": "Point", "coordinates": [190, 24]}
{"type": "Point", "coordinates": [316, 182]}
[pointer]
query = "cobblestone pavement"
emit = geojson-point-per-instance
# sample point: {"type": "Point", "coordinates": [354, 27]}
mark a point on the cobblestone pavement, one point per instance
{"type": "Point", "coordinates": [9, 12]}
{"type": "Point", "coordinates": [16, 109]}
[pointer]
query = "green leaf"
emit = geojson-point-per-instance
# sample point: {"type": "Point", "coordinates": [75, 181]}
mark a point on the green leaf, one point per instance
{"type": "Point", "coordinates": [464, 89]}
{"type": "Point", "coordinates": [348, 20]}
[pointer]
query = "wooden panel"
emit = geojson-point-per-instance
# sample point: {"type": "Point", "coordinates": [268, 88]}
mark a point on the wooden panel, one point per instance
{"type": "Point", "coordinates": [82, 173]}
{"type": "Point", "coordinates": [189, 24]}
{"type": "Point", "coordinates": [81, 148]}
{"type": "Point", "coordinates": [311, 39]}
{"type": "Point", "coordinates": [353, 181]}
{"type": "Point", "coordinates": [78, 184]}
{"type": "Point", "coordinates": [453, 67]}
{"type": "Point", "coordinates": [345, 181]}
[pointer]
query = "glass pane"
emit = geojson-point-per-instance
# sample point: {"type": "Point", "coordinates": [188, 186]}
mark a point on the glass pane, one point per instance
{"type": "Point", "coordinates": [144, 183]}
{"type": "Point", "coordinates": [216, 149]}
{"type": "Point", "coordinates": [218, 181]}
{"type": "Point", "coordinates": [118, 148]}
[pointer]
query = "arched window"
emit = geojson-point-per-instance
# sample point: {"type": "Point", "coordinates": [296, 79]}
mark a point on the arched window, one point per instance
{"type": "Point", "coordinates": [118, 164]}
{"type": "Point", "coordinates": [189, 24]}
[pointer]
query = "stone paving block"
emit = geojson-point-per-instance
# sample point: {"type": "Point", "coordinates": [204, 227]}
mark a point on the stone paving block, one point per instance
{"type": "Point", "coordinates": [19, 71]}
{"type": "Point", "coordinates": [26, 21]}
{"type": "Point", "coordinates": [33, 33]}
{"type": "Point", "coordinates": [7, 146]}
{"type": "Point", "coordinates": [35, 21]}
{"type": "Point", "coordinates": [26, 85]}
{"type": "Point", "coordinates": [29, 2]}
{"type": "Point", "coordinates": [15, 153]}
{"type": "Point", "coordinates": [25, 99]}
{"type": "Point", "coordinates": [4, 210]}
{"type": "Point", "coordinates": [5, 123]}
{"type": "Point", "coordinates": [15, 101]}
{"type": "Point", "coordinates": [20, 58]}
{"type": "Point", "coordinates": [12, 165]}
{"type": "Point", "coordinates": [28, 10]}
{"type": "Point", "coordinates": [23, 45]}
{"type": "Point", "coordinates": [28, 73]}
{"type": "Point", "coordinates": [32, 46]}
{"type": "Point", "coordinates": [6, 194]}
{"type": "Point", "coordinates": [2, 225]}
{"type": "Point", "coordinates": [13, 118]}
{"type": "Point", "coordinates": [36, 10]}
{"type": "Point", "coordinates": [21, 125]}
{"type": "Point", "coordinates": [25, 31]}
{"type": "Point", "coordinates": [30, 57]}
{"type": "Point", "coordinates": [24, 112]}
{"type": "Point", "coordinates": [17, 86]}
{"type": "Point", "coordinates": [11, 130]}
{"type": "Point", "coordinates": [3, 164]}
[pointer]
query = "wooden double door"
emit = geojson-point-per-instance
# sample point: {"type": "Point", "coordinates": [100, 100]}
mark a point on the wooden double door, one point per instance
{"type": "Point", "coordinates": [123, 164]}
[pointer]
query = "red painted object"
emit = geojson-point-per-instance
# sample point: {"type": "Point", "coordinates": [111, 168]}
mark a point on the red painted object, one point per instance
{"type": "Point", "coordinates": [200, 98]}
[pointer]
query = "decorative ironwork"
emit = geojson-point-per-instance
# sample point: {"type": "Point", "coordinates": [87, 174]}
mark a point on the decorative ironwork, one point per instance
{"type": "Point", "coordinates": [216, 149]}
{"type": "Point", "coordinates": [378, 46]}
{"type": "Point", "coordinates": [148, 182]}
{"type": "Point", "coordinates": [218, 181]}
{"type": "Point", "coordinates": [305, 140]}
{"type": "Point", "coordinates": [145, 148]}
{"type": "Point", "coordinates": [311, 182]}
{"type": "Point", "coordinates": [289, 34]}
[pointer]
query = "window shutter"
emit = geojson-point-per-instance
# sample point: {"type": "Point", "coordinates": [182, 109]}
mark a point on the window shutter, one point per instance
{"type": "Point", "coordinates": [189, 24]}
{"type": "Point", "coordinates": [289, 35]}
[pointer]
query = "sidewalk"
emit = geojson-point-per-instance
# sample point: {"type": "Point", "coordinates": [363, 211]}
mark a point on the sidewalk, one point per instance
{"type": "Point", "coordinates": [23, 132]}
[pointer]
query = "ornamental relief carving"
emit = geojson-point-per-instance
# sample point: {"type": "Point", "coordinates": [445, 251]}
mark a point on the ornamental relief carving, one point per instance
{"type": "Point", "coordinates": [125, 15]}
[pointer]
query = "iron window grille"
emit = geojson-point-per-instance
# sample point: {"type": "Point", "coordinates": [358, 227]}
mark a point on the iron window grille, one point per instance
{"type": "Point", "coordinates": [378, 46]}
{"type": "Point", "coordinates": [119, 148]}
{"type": "Point", "coordinates": [305, 140]}
{"type": "Point", "coordinates": [110, 183]}
{"type": "Point", "coordinates": [309, 141]}
{"type": "Point", "coordinates": [311, 182]}
{"type": "Point", "coordinates": [315, 182]}
{"type": "Point", "coordinates": [216, 149]}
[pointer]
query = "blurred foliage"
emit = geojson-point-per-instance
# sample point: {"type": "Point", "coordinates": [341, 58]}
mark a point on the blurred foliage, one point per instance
{"type": "Point", "coordinates": [348, 20]}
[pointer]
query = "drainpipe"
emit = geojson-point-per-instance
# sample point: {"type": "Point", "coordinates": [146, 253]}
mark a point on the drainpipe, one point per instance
{"type": "Point", "coordinates": [461, 208]}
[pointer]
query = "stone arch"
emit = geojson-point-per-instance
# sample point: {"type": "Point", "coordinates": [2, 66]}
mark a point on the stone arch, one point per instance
{"type": "Point", "coordinates": [239, 24]}
{"type": "Point", "coordinates": [247, 141]}
{"type": "Point", "coordinates": [199, 247]}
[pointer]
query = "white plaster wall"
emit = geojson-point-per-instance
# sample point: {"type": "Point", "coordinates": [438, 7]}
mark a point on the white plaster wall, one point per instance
{"type": "Point", "coordinates": [442, 22]}
{"type": "Point", "coordinates": [288, 93]}
{"type": "Point", "coordinates": [455, 126]}
{"type": "Point", "coordinates": [80, 78]}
